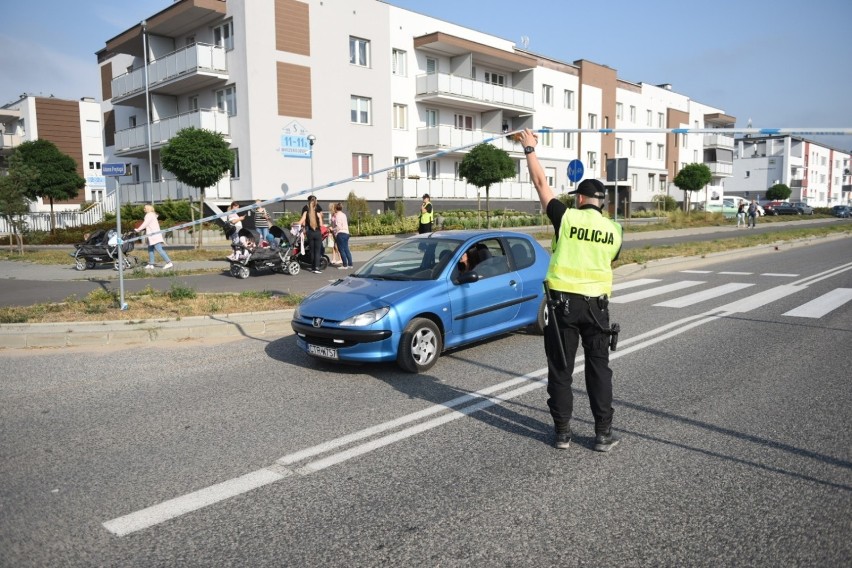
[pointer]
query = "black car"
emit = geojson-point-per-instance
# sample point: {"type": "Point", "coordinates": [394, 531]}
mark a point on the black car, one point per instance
{"type": "Point", "coordinates": [841, 211]}
{"type": "Point", "coordinates": [793, 209]}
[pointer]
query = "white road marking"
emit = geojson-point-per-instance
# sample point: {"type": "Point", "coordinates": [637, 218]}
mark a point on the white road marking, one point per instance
{"type": "Point", "coordinates": [697, 271]}
{"type": "Point", "coordinates": [737, 273]}
{"type": "Point", "coordinates": [781, 274]}
{"type": "Point", "coordinates": [760, 300]}
{"type": "Point", "coordinates": [634, 283]}
{"type": "Point", "coordinates": [818, 307]}
{"type": "Point", "coordinates": [655, 291]}
{"type": "Point", "coordinates": [704, 295]}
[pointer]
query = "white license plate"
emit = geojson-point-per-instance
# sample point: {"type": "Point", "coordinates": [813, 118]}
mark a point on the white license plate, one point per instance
{"type": "Point", "coordinates": [322, 351]}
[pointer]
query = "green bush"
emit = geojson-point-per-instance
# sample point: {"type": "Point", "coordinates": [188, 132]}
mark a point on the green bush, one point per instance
{"type": "Point", "coordinates": [666, 202]}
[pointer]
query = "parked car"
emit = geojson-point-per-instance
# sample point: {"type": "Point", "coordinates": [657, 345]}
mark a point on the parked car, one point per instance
{"type": "Point", "coordinates": [414, 299]}
{"type": "Point", "coordinates": [729, 206]}
{"type": "Point", "coordinates": [841, 211]}
{"type": "Point", "coordinates": [796, 208]}
{"type": "Point", "coordinates": [769, 207]}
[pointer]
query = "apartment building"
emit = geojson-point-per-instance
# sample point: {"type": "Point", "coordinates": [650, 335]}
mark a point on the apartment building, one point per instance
{"type": "Point", "coordinates": [73, 125]}
{"type": "Point", "coordinates": [817, 174]}
{"type": "Point", "coordinates": [310, 93]}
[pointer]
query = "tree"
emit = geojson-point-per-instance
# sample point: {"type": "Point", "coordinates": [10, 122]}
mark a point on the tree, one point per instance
{"type": "Point", "coordinates": [198, 158]}
{"type": "Point", "coordinates": [485, 165]}
{"type": "Point", "coordinates": [778, 192]}
{"type": "Point", "coordinates": [692, 177]}
{"type": "Point", "coordinates": [57, 177]}
{"type": "Point", "coordinates": [13, 199]}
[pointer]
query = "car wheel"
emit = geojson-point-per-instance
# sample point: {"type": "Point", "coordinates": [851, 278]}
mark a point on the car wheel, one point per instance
{"type": "Point", "coordinates": [541, 321]}
{"type": "Point", "coordinates": [420, 346]}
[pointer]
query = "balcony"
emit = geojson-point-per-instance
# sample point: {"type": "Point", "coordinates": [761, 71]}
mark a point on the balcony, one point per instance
{"type": "Point", "coordinates": [448, 188]}
{"type": "Point", "coordinates": [189, 69]}
{"type": "Point", "coordinates": [146, 192]}
{"type": "Point", "coordinates": [473, 95]}
{"type": "Point", "coordinates": [718, 141]}
{"type": "Point", "coordinates": [133, 142]}
{"type": "Point", "coordinates": [719, 169]}
{"type": "Point", "coordinates": [436, 138]}
{"type": "Point", "coordinates": [9, 142]}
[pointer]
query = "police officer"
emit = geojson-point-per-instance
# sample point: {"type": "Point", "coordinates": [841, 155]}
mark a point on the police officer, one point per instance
{"type": "Point", "coordinates": [425, 215]}
{"type": "Point", "coordinates": [579, 281]}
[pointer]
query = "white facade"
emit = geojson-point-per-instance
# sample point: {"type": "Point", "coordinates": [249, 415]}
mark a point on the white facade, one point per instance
{"type": "Point", "coordinates": [266, 73]}
{"type": "Point", "coordinates": [817, 174]}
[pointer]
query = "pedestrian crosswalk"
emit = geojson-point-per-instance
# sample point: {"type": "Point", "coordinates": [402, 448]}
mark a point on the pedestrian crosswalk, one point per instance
{"type": "Point", "coordinates": [735, 299]}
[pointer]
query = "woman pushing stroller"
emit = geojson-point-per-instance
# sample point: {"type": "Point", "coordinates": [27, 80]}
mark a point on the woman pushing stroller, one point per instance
{"type": "Point", "coordinates": [151, 226]}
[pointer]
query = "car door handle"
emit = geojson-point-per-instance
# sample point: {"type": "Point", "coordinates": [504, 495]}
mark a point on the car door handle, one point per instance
{"type": "Point", "coordinates": [512, 283]}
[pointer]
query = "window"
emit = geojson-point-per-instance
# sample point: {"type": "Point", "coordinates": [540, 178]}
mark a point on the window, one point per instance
{"type": "Point", "coordinates": [619, 111]}
{"type": "Point", "coordinates": [399, 168]}
{"type": "Point", "coordinates": [495, 79]}
{"type": "Point", "coordinates": [592, 158]}
{"type": "Point", "coordinates": [359, 110]}
{"type": "Point", "coordinates": [619, 146]}
{"type": "Point", "coordinates": [223, 35]}
{"type": "Point", "coordinates": [398, 63]}
{"type": "Point", "coordinates": [134, 168]}
{"type": "Point", "coordinates": [431, 117]}
{"type": "Point", "coordinates": [550, 174]}
{"type": "Point", "coordinates": [650, 182]}
{"type": "Point", "coordinates": [567, 139]}
{"type": "Point", "coordinates": [593, 120]}
{"type": "Point", "coordinates": [568, 99]}
{"type": "Point", "coordinates": [359, 52]}
{"type": "Point", "coordinates": [132, 121]}
{"type": "Point", "coordinates": [633, 149]}
{"type": "Point", "coordinates": [400, 117]}
{"type": "Point", "coordinates": [362, 164]}
{"type": "Point", "coordinates": [649, 118]}
{"type": "Point", "coordinates": [431, 66]}
{"type": "Point", "coordinates": [193, 102]}
{"type": "Point", "coordinates": [155, 171]}
{"type": "Point", "coordinates": [463, 122]}
{"type": "Point", "coordinates": [634, 181]}
{"type": "Point", "coordinates": [431, 169]}
{"type": "Point", "coordinates": [456, 166]}
{"type": "Point", "coordinates": [547, 138]}
{"type": "Point", "coordinates": [522, 252]}
{"type": "Point", "coordinates": [661, 152]}
{"type": "Point", "coordinates": [235, 169]}
{"type": "Point", "coordinates": [648, 150]}
{"type": "Point", "coordinates": [547, 95]}
{"type": "Point", "coordinates": [633, 114]}
{"type": "Point", "coordinates": [226, 100]}
{"type": "Point", "coordinates": [661, 120]}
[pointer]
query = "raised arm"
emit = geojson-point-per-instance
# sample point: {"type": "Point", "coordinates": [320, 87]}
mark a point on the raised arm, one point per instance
{"type": "Point", "coordinates": [545, 193]}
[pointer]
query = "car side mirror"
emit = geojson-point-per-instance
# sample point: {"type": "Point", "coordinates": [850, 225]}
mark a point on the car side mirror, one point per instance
{"type": "Point", "coordinates": [468, 277]}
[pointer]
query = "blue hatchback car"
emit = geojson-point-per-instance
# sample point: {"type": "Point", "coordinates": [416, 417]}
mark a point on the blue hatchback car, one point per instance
{"type": "Point", "coordinates": [426, 294]}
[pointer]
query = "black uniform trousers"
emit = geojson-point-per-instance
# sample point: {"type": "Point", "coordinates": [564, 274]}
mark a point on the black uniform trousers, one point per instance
{"type": "Point", "coordinates": [583, 318]}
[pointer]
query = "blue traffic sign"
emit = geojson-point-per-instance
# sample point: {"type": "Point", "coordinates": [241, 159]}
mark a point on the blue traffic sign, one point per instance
{"type": "Point", "coordinates": [575, 170]}
{"type": "Point", "coordinates": [113, 169]}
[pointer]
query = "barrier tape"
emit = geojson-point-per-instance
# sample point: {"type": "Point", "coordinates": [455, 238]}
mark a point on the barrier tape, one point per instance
{"type": "Point", "coordinates": [744, 131]}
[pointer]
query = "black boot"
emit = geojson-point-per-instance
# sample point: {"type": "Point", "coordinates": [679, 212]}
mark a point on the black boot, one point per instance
{"type": "Point", "coordinates": [605, 441]}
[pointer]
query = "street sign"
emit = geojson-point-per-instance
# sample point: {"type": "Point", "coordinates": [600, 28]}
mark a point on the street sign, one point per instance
{"type": "Point", "coordinates": [575, 170]}
{"type": "Point", "coordinates": [616, 169]}
{"type": "Point", "coordinates": [114, 169]}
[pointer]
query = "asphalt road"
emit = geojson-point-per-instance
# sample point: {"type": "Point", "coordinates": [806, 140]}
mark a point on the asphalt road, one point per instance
{"type": "Point", "coordinates": [28, 285]}
{"type": "Point", "coordinates": [733, 411]}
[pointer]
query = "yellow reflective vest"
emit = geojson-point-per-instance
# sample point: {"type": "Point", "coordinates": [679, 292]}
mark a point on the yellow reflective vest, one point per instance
{"type": "Point", "coordinates": [426, 218]}
{"type": "Point", "coordinates": [582, 261]}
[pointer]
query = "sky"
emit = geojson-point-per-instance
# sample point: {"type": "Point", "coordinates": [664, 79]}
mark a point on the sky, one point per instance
{"type": "Point", "coordinates": [779, 63]}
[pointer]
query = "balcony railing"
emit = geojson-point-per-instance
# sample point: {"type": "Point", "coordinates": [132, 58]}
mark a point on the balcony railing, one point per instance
{"type": "Point", "coordinates": [133, 140]}
{"type": "Point", "coordinates": [196, 58]}
{"type": "Point", "coordinates": [445, 136]}
{"type": "Point", "coordinates": [9, 141]}
{"type": "Point", "coordinates": [443, 84]}
{"type": "Point", "coordinates": [145, 192]}
{"type": "Point", "coordinates": [718, 141]}
{"type": "Point", "coordinates": [720, 169]}
{"type": "Point", "coordinates": [444, 188]}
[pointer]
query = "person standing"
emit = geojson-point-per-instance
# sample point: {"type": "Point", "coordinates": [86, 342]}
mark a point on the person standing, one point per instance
{"type": "Point", "coordinates": [579, 282]}
{"type": "Point", "coordinates": [741, 215]}
{"type": "Point", "coordinates": [312, 223]}
{"type": "Point", "coordinates": [151, 226]}
{"type": "Point", "coordinates": [752, 214]}
{"type": "Point", "coordinates": [261, 221]}
{"type": "Point", "coordinates": [425, 215]}
{"type": "Point", "coordinates": [340, 230]}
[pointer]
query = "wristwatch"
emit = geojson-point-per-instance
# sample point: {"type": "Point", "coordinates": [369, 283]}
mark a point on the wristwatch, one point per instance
{"type": "Point", "coordinates": [529, 149]}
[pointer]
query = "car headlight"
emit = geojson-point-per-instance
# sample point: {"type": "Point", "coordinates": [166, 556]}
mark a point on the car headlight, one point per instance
{"type": "Point", "coordinates": [297, 314]}
{"type": "Point", "coordinates": [366, 318]}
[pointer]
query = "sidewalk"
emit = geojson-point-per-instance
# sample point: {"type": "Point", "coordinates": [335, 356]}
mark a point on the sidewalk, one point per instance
{"type": "Point", "coordinates": [256, 324]}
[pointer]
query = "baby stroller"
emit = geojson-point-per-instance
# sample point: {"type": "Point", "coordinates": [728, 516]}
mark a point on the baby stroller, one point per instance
{"type": "Point", "coordinates": [101, 247]}
{"type": "Point", "coordinates": [300, 243]}
{"type": "Point", "coordinates": [248, 256]}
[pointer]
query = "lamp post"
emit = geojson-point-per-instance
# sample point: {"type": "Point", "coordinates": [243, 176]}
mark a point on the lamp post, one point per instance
{"type": "Point", "coordinates": [148, 109]}
{"type": "Point", "coordinates": [312, 140]}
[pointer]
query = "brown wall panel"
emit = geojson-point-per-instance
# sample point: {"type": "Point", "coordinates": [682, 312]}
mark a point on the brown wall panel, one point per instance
{"type": "Point", "coordinates": [675, 119]}
{"type": "Point", "coordinates": [292, 27]}
{"type": "Point", "coordinates": [59, 122]}
{"type": "Point", "coordinates": [106, 81]}
{"type": "Point", "coordinates": [109, 128]}
{"type": "Point", "coordinates": [294, 90]}
{"type": "Point", "coordinates": [605, 79]}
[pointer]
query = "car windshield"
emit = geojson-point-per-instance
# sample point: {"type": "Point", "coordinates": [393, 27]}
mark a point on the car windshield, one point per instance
{"type": "Point", "coordinates": [413, 259]}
